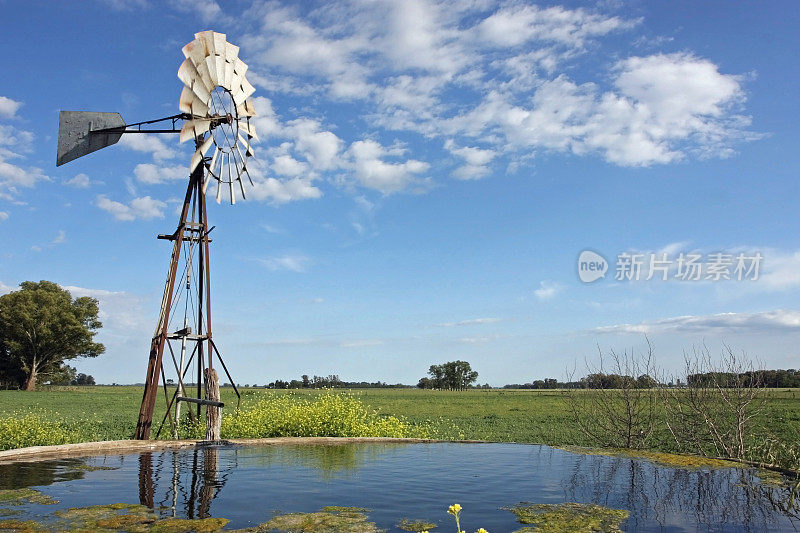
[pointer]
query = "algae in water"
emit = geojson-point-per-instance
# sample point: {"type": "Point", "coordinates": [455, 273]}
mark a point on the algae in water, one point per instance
{"type": "Point", "coordinates": [23, 496]}
{"type": "Point", "coordinates": [554, 518]}
{"type": "Point", "coordinates": [327, 520]}
{"type": "Point", "coordinates": [415, 525]}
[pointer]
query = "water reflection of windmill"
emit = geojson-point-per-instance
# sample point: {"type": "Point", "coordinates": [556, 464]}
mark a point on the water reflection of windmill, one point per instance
{"type": "Point", "coordinates": [216, 113]}
{"type": "Point", "coordinates": [183, 483]}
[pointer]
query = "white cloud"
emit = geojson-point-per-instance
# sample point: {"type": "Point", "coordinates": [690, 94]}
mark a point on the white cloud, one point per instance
{"type": "Point", "coordinates": [516, 25]}
{"type": "Point", "coordinates": [126, 5]}
{"type": "Point", "coordinates": [372, 171]}
{"type": "Point", "coordinates": [664, 106]}
{"type": "Point", "coordinates": [475, 160]}
{"type": "Point", "coordinates": [471, 322]}
{"type": "Point", "coordinates": [547, 290]}
{"type": "Point", "coordinates": [80, 181]}
{"type": "Point", "coordinates": [207, 11]}
{"type": "Point", "coordinates": [3, 216]}
{"type": "Point", "coordinates": [420, 36]}
{"type": "Point", "coordinates": [12, 176]}
{"type": "Point", "coordinates": [406, 60]}
{"type": "Point", "coordinates": [272, 229]}
{"type": "Point", "coordinates": [149, 143]}
{"type": "Point", "coordinates": [122, 314]}
{"type": "Point", "coordinates": [489, 79]}
{"type": "Point", "coordinates": [361, 343]}
{"type": "Point", "coordinates": [288, 43]}
{"type": "Point", "coordinates": [781, 270]}
{"type": "Point", "coordinates": [476, 340]}
{"type": "Point", "coordinates": [153, 174]}
{"type": "Point", "coordinates": [14, 144]}
{"type": "Point", "coordinates": [60, 238]}
{"type": "Point", "coordinates": [282, 191]}
{"type": "Point", "coordinates": [733, 323]}
{"type": "Point", "coordinates": [267, 123]}
{"type": "Point", "coordinates": [291, 262]}
{"type": "Point", "coordinates": [8, 107]}
{"type": "Point", "coordinates": [286, 165]}
{"type": "Point", "coordinates": [674, 248]}
{"type": "Point", "coordinates": [145, 208]}
{"type": "Point", "coordinates": [321, 148]}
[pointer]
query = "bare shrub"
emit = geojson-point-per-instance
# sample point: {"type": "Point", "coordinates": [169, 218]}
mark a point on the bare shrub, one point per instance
{"type": "Point", "coordinates": [717, 413]}
{"type": "Point", "coordinates": [617, 407]}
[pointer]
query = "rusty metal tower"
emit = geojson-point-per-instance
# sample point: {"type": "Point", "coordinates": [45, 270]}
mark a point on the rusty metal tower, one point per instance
{"type": "Point", "coordinates": [215, 113]}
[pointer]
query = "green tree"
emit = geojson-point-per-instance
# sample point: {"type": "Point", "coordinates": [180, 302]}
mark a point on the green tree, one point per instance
{"type": "Point", "coordinates": [83, 379]}
{"type": "Point", "coordinates": [64, 376]}
{"type": "Point", "coordinates": [453, 375]}
{"type": "Point", "coordinates": [41, 326]}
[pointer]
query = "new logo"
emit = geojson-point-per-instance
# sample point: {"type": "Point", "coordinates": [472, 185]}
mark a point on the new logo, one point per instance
{"type": "Point", "coordinates": [591, 266]}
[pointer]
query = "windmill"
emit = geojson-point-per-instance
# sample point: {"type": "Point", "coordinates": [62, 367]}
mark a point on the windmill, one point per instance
{"type": "Point", "coordinates": [215, 113]}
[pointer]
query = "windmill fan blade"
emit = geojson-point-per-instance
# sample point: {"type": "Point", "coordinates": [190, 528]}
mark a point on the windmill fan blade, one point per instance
{"type": "Point", "coordinates": [211, 65]}
{"type": "Point", "coordinates": [244, 161]}
{"type": "Point", "coordinates": [190, 103]}
{"type": "Point", "coordinates": [231, 52]}
{"type": "Point", "coordinates": [242, 93]}
{"type": "Point", "coordinates": [219, 64]}
{"type": "Point", "coordinates": [206, 181]}
{"type": "Point", "coordinates": [244, 171]}
{"type": "Point", "coordinates": [200, 91]}
{"type": "Point", "coordinates": [230, 181]}
{"type": "Point", "coordinates": [195, 51]}
{"type": "Point", "coordinates": [246, 109]}
{"type": "Point", "coordinates": [187, 72]}
{"type": "Point", "coordinates": [220, 39]}
{"type": "Point", "coordinates": [219, 190]}
{"type": "Point", "coordinates": [194, 128]}
{"type": "Point", "coordinates": [239, 70]}
{"type": "Point", "coordinates": [227, 79]}
{"type": "Point", "coordinates": [248, 148]}
{"type": "Point", "coordinates": [249, 129]}
{"type": "Point", "coordinates": [198, 155]}
{"type": "Point", "coordinates": [239, 173]}
{"type": "Point", "coordinates": [213, 162]}
{"type": "Point", "coordinates": [211, 170]}
{"type": "Point", "coordinates": [205, 75]}
{"type": "Point", "coordinates": [206, 38]}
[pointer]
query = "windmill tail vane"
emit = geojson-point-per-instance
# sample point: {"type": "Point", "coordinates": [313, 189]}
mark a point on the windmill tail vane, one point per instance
{"type": "Point", "coordinates": [216, 112]}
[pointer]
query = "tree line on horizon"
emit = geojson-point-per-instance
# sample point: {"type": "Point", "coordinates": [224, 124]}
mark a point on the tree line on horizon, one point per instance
{"type": "Point", "coordinates": [784, 379]}
{"type": "Point", "coordinates": [331, 381]}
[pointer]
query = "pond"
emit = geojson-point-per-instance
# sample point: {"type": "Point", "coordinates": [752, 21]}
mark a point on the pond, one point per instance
{"type": "Point", "coordinates": [250, 485]}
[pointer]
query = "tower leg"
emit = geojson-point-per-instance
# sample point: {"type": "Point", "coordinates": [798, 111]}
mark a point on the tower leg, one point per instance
{"type": "Point", "coordinates": [160, 336]}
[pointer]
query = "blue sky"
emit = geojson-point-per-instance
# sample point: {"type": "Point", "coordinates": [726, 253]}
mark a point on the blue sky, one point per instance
{"type": "Point", "coordinates": [427, 176]}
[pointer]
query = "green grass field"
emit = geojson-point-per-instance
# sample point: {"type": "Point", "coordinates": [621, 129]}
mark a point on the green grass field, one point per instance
{"type": "Point", "coordinates": [531, 416]}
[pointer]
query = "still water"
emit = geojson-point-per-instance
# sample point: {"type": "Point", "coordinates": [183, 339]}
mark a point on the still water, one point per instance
{"type": "Point", "coordinates": [249, 484]}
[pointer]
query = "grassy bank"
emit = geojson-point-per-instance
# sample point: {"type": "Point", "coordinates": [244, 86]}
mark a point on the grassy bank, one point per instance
{"type": "Point", "coordinates": [107, 413]}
